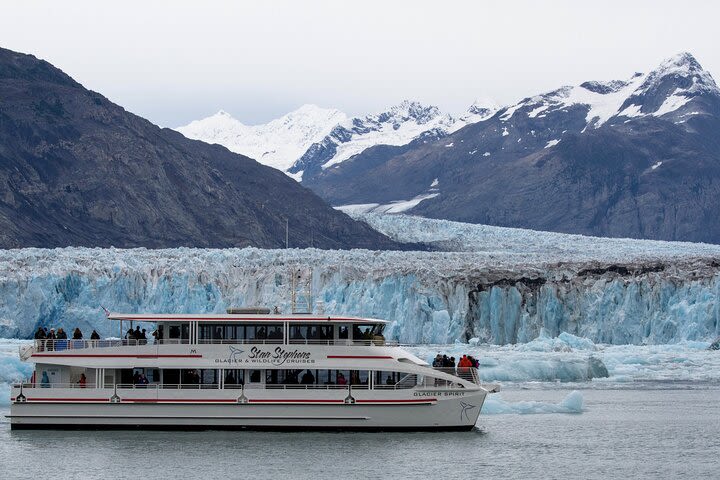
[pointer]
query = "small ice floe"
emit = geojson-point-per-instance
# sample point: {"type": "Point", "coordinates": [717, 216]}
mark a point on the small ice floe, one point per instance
{"type": "Point", "coordinates": [450, 145]}
{"type": "Point", "coordinates": [486, 154]}
{"type": "Point", "coordinates": [656, 165]}
{"type": "Point", "coordinates": [494, 404]}
{"type": "Point", "coordinates": [505, 132]}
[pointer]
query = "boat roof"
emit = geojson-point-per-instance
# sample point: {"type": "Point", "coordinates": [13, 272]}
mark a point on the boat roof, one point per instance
{"type": "Point", "coordinates": [223, 317]}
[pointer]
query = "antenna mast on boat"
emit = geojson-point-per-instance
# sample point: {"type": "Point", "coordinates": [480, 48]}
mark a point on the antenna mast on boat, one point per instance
{"type": "Point", "coordinates": [300, 280]}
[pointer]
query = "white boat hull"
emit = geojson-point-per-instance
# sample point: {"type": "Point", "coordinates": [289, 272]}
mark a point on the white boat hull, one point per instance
{"type": "Point", "coordinates": [422, 410]}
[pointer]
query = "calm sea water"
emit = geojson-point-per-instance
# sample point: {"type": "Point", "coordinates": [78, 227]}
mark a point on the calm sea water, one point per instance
{"type": "Point", "coordinates": [628, 433]}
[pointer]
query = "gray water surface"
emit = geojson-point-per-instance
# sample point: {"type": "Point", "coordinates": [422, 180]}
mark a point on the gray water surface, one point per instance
{"type": "Point", "coordinates": [658, 433]}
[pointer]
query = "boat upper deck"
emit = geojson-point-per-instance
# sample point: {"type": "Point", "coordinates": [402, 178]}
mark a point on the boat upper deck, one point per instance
{"type": "Point", "coordinates": [243, 317]}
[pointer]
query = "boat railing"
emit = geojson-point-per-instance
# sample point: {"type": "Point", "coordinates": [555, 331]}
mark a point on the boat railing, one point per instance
{"type": "Point", "coordinates": [469, 374]}
{"type": "Point", "coordinates": [62, 345]}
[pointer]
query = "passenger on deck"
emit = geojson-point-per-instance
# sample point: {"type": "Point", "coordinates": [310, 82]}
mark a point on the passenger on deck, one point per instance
{"type": "Point", "coordinates": [94, 335]}
{"type": "Point", "coordinates": [261, 333]}
{"type": "Point", "coordinates": [452, 362]}
{"type": "Point", "coordinates": [83, 380]}
{"type": "Point", "coordinates": [51, 337]}
{"type": "Point", "coordinates": [77, 334]}
{"type": "Point", "coordinates": [341, 379]}
{"type": "Point", "coordinates": [230, 379]}
{"type": "Point", "coordinates": [40, 335]}
{"type": "Point", "coordinates": [61, 335]}
{"type": "Point", "coordinates": [308, 378]}
{"type": "Point", "coordinates": [143, 337]}
{"type": "Point", "coordinates": [45, 381]}
{"type": "Point", "coordinates": [130, 335]}
{"type": "Point", "coordinates": [438, 362]}
{"type": "Point", "coordinates": [136, 333]}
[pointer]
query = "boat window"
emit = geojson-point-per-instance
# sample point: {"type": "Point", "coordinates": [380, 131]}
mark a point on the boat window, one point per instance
{"type": "Point", "coordinates": [185, 331]}
{"type": "Point", "coordinates": [209, 378]}
{"type": "Point", "coordinates": [234, 378]}
{"type": "Point", "coordinates": [255, 376]}
{"type": "Point", "coordinates": [358, 377]}
{"type": "Point", "coordinates": [174, 331]}
{"type": "Point", "coordinates": [394, 380]}
{"type": "Point", "coordinates": [368, 332]}
{"type": "Point", "coordinates": [343, 331]}
{"type": "Point", "coordinates": [219, 333]}
{"type": "Point", "coordinates": [190, 377]}
{"type": "Point", "coordinates": [311, 333]}
{"type": "Point", "coordinates": [171, 376]}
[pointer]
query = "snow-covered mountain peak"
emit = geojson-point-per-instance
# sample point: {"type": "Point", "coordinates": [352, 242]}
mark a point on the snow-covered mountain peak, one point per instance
{"type": "Point", "coordinates": [685, 72]}
{"type": "Point", "coordinates": [277, 143]}
{"type": "Point", "coordinates": [479, 110]}
{"type": "Point", "coordinates": [409, 111]}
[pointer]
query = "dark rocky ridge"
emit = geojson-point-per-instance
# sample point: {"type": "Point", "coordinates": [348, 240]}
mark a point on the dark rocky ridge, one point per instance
{"type": "Point", "coordinates": [78, 170]}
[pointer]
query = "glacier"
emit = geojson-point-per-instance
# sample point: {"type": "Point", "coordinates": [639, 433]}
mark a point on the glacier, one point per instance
{"type": "Point", "coordinates": [496, 285]}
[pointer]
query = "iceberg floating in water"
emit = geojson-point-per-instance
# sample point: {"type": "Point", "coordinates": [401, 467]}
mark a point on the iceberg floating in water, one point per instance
{"type": "Point", "coordinates": [494, 404]}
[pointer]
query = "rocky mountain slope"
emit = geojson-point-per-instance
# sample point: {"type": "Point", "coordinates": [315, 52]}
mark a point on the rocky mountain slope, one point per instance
{"type": "Point", "coordinates": [78, 170]}
{"type": "Point", "coordinates": [633, 158]}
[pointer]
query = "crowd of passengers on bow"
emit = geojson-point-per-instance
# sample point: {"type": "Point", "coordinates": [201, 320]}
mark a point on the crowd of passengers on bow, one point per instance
{"type": "Point", "coordinates": [52, 340]}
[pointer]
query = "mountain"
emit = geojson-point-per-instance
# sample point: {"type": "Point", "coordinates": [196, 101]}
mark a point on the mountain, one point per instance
{"type": "Point", "coordinates": [78, 170]}
{"type": "Point", "coordinates": [626, 158]}
{"type": "Point", "coordinates": [305, 142]}
{"type": "Point", "coordinates": [400, 125]}
{"type": "Point", "coordinates": [277, 144]}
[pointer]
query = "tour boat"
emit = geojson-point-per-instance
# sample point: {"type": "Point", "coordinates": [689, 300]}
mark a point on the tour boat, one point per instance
{"type": "Point", "coordinates": [249, 368]}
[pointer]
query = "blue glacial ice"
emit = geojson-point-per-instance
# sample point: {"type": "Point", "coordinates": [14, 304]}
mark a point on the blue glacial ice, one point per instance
{"type": "Point", "coordinates": [502, 286]}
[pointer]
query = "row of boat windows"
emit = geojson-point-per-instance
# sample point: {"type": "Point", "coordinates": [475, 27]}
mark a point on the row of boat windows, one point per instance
{"type": "Point", "coordinates": [270, 377]}
{"type": "Point", "coordinates": [295, 332]}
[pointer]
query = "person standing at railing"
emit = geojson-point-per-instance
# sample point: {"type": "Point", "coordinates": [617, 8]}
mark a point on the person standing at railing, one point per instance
{"type": "Point", "coordinates": [94, 337]}
{"type": "Point", "coordinates": [143, 337]}
{"type": "Point", "coordinates": [45, 381]}
{"type": "Point", "coordinates": [77, 334]}
{"type": "Point", "coordinates": [83, 380]}
{"type": "Point", "coordinates": [61, 339]}
{"type": "Point", "coordinates": [40, 337]}
{"type": "Point", "coordinates": [51, 339]}
{"type": "Point", "coordinates": [464, 366]}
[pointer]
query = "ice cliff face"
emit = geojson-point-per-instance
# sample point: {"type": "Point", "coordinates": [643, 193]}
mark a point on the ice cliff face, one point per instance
{"type": "Point", "coordinates": [621, 292]}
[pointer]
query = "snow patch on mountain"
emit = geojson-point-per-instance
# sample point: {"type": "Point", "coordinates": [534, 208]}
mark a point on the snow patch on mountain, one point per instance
{"type": "Point", "coordinates": [397, 206]}
{"type": "Point", "coordinates": [398, 126]}
{"type": "Point", "coordinates": [277, 143]}
{"type": "Point", "coordinates": [618, 98]}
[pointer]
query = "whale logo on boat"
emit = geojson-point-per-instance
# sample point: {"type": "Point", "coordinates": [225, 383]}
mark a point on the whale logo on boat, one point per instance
{"type": "Point", "coordinates": [234, 353]}
{"type": "Point", "coordinates": [466, 407]}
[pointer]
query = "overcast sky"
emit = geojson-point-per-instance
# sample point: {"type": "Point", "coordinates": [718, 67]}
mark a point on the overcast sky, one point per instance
{"type": "Point", "coordinates": [175, 61]}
